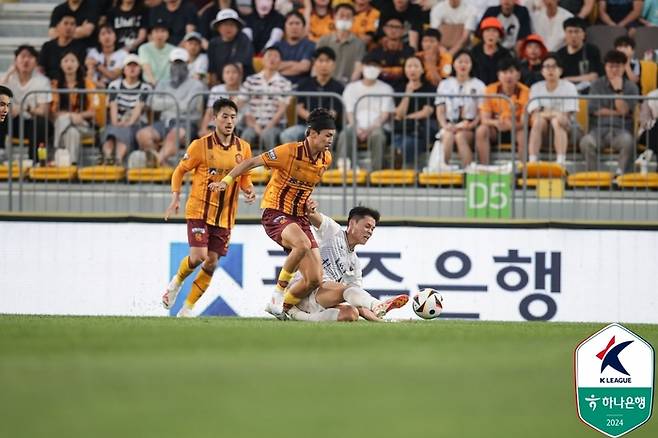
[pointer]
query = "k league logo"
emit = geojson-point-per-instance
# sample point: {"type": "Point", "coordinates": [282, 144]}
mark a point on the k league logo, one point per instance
{"type": "Point", "coordinates": [614, 377]}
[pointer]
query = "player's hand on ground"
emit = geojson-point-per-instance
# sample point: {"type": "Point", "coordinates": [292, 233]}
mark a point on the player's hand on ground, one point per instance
{"type": "Point", "coordinates": [172, 209]}
{"type": "Point", "coordinates": [311, 205]}
{"type": "Point", "coordinates": [217, 186]}
{"type": "Point", "coordinates": [249, 195]}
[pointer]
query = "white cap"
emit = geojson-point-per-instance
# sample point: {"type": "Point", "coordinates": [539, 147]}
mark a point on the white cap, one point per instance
{"type": "Point", "coordinates": [179, 54]}
{"type": "Point", "coordinates": [131, 59]}
{"type": "Point", "coordinates": [227, 14]}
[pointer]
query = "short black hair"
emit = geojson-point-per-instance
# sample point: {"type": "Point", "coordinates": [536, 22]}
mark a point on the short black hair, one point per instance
{"type": "Point", "coordinates": [31, 50]}
{"type": "Point", "coordinates": [223, 102]}
{"type": "Point", "coordinates": [625, 41]}
{"type": "Point", "coordinates": [554, 57]}
{"type": "Point", "coordinates": [319, 119]}
{"type": "Point", "coordinates": [615, 57]}
{"type": "Point", "coordinates": [346, 5]}
{"type": "Point", "coordinates": [574, 22]}
{"type": "Point", "coordinates": [360, 212]}
{"type": "Point", "coordinates": [297, 14]}
{"type": "Point", "coordinates": [432, 33]}
{"type": "Point", "coordinates": [507, 62]}
{"type": "Point", "coordinates": [66, 14]}
{"type": "Point", "coordinates": [275, 48]}
{"type": "Point", "coordinates": [6, 91]}
{"type": "Point", "coordinates": [325, 50]}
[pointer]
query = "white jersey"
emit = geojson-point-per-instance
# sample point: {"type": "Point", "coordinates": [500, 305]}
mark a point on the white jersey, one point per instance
{"type": "Point", "coordinates": [339, 263]}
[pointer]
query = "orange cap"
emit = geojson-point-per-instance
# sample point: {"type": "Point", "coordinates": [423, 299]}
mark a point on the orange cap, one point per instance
{"type": "Point", "coordinates": [490, 22]}
{"type": "Point", "coordinates": [534, 38]}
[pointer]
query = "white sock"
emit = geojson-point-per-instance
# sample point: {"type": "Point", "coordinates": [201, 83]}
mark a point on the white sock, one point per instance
{"type": "Point", "coordinates": [561, 159]}
{"type": "Point", "coordinates": [324, 315]}
{"type": "Point", "coordinates": [532, 158]}
{"type": "Point", "coordinates": [357, 297]}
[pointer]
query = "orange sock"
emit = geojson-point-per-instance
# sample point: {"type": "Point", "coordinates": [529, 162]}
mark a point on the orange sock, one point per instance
{"type": "Point", "coordinates": [184, 269]}
{"type": "Point", "coordinates": [201, 283]}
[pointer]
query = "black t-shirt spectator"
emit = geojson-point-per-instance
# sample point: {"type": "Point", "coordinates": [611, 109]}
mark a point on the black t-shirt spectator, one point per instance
{"type": "Point", "coordinates": [126, 24]}
{"type": "Point", "coordinates": [413, 18]}
{"type": "Point", "coordinates": [573, 6]}
{"type": "Point", "coordinates": [417, 126]}
{"type": "Point", "coordinates": [619, 9]}
{"type": "Point", "coordinates": [51, 54]}
{"type": "Point", "coordinates": [262, 27]}
{"type": "Point", "coordinates": [86, 12]}
{"type": "Point", "coordinates": [176, 21]}
{"type": "Point", "coordinates": [530, 73]}
{"type": "Point", "coordinates": [208, 15]}
{"type": "Point", "coordinates": [331, 103]}
{"type": "Point", "coordinates": [221, 53]}
{"type": "Point", "coordinates": [517, 25]}
{"type": "Point", "coordinates": [392, 62]}
{"type": "Point", "coordinates": [586, 60]}
{"type": "Point", "coordinates": [484, 66]}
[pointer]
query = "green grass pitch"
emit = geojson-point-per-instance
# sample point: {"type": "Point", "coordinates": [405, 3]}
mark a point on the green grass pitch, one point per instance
{"type": "Point", "coordinates": [225, 378]}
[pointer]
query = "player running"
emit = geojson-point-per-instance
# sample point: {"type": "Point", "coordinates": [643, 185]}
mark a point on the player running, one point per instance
{"type": "Point", "coordinates": [297, 169]}
{"type": "Point", "coordinates": [342, 279]}
{"type": "Point", "coordinates": [210, 215]}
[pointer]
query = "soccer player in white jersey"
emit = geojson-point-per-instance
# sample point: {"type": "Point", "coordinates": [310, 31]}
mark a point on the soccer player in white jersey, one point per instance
{"type": "Point", "coordinates": [341, 296]}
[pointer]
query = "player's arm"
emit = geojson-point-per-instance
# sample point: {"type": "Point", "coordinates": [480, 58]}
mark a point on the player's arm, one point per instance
{"type": "Point", "coordinates": [314, 216]}
{"type": "Point", "coordinates": [246, 185]}
{"type": "Point", "coordinates": [238, 170]}
{"type": "Point", "coordinates": [190, 161]}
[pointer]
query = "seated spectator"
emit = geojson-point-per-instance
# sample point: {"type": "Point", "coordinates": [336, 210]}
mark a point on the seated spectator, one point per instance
{"type": "Point", "coordinates": [533, 52]}
{"type": "Point", "coordinates": [231, 82]}
{"type": "Point", "coordinates": [126, 112]}
{"type": "Point", "coordinates": [392, 51]}
{"type": "Point", "coordinates": [179, 16]}
{"type": "Point", "coordinates": [154, 55]}
{"type": "Point", "coordinates": [633, 67]}
{"type": "Point", "coordinates": [581, 61]}
{"type": "Point", "coordinates": [549, 24]}
{"type": "Point", "coordinates": [489, 52]}
{"type": "Point", "coordinates": [347, 46]}
{"type": "Point", "coordinates": [648, 132]}
{"type": "Point", "coordinates": [230, 46]}
{"type": "Point", "coordinates": [410, 15]}
{"type": "Point", "coordinates": [365, 21]}
{"type": "Point", "coordinates": [265, 116]}
{"type": "Point", "coordinates": [72, 112]}
{"type": "Point", "coordinates": [552, 112]}
{"type": "Point", "coordinates": [319, 18]}
{"type": "Point", "coordinates": [85, 14]}
{"type": "Point", "coordinates": [455, 12]}
{"type": "Point", "coordinates": [411, 131]}
{"type": "Point", "coordinates": [207, 15]}
{"type": "Point", "coordinates": [515, 21]}
{"type": "Point", "coordinates": [579, 8]}
{"type": "Point", "coordinates": [621, 13]}
{"type": "Point", "coordinates": [53, 50]}
{"type": "Point", "coordinates": [104, 61]}
{"type": "Point", "coordinates": [323, 66]}
{"type": "Point", "coordinates": [649, 15]}
{"type": "Point", "coordinates": [370, 119]}
{"type": "Point", "coordinates": [264, 25]}
{"type": "Point", "coordinates": [185, 90]}
{"type": "Point", "coordinates": [437, 61]}
{"type": "Point", "coordinates": [198, 63]}
{"type": "Point", "coordinates": [497, 120]}
{"type": "Point", "coordinates": [296, 50]}
{"type": "Point", "coordinates": [128, 19]}
{"type": "Point", "coordinates": [23, 78]}
{"type": "Point", "coordinates": [459, 116]}
{"type": "Point", "coordinates": [611, 120]}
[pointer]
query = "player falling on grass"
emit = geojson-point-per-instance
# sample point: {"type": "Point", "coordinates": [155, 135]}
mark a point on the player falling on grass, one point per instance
{"type": "Point", "coordinates": [210, 215]}
{"type": "Point", "coordinates": [342, 280]}
{"type": "Point", "coordinates": [297, 169]}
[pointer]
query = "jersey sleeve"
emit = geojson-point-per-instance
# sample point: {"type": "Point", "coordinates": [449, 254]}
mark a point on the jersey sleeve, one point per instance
{"type": "Point", "coordinates": [277, 158]}
{"type": "Point", "coordinates": [245, 180]}
{"type": "Point", "coordinates": [190, 160]}
{"type": "Point", "coordinates": [328, 227]}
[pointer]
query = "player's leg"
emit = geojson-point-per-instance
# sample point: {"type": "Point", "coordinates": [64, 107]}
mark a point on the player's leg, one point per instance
{"type": "Point", "coordinates": [360, 298]}
{"type": "Point", "coordinates": [311, 269]}
{"type": "Point", "coordinates": [341, 313]}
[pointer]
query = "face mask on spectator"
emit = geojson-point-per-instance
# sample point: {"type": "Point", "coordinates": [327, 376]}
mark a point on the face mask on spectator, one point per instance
{"type": "Point", "coordinates": [178, 73]}
{"type": "Point", "coordinates": [343, 25]}
{"type": "Point", "coordinates": [371, 72]}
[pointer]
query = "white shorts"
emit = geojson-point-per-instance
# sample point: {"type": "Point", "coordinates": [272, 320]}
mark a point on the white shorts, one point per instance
{"type": "Point", "coordinates": [308, 304]}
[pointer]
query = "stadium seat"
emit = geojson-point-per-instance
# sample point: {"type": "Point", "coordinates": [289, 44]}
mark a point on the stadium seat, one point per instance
{"type": "Point", "coordinates": [648, 76]}
{"type": "Point", "coordinates": [101, 173]}
{"type": "Point", "coordinates": [582, 117]}
{"type": "Point", "coordinates": [542, 170]}
{"type": "Point", "coordinates": [257, 63]}
{"type": "Point", "coordinates": [260, 175]}
{"type": "Point", "coordinates": [604, 36]}
{"type": "Point", "coordinates": [341, 176]}
{"type": "Point", "coordinates": [15, 171]}
{"type": "Point", "coordinates": [393, 177]}
{"type": "Point", "coordinates": [638, 180]}
{"type": "Point", "coordinates": [64, 173]}
{"type": "Point", "coordinates": [441, 179]}
{"type": "Point", "coordinates": [157, 175]}
{"type": "Point", "coordinates": [590, 179]}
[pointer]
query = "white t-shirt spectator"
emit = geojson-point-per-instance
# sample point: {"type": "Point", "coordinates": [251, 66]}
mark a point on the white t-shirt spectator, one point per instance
{"type": "Point", "coordinates": [264, 107]}
{"type": "Point", "coordinates": [460, 108]}
{"type": "Point", "coordinates": [564, 88]}
{"type": "Point", "coordinates": [443, 13]}
{"type": "Point", "coordinates": [37, 82]}
{"type": "Point", "coordinates": [127, 101]}
{"type": "Point", "coordinates": [199, 66]}
{"type": "Point", "coordinates": [369, 108]}
{"type": "Point", "coordinates": [114, 62]}
{"type": "Point", "coordinates": [550, 28]}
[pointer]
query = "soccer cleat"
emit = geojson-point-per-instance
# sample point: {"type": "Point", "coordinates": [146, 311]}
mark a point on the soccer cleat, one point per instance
{"type": "Point", "coordinates": [383, 307]}
{"type": "Point", "coordinates": [169, 297]}
{"type": "Point", "coordinates": [275, 306]}
{"type": "Point", "coordinates": [185, 312]}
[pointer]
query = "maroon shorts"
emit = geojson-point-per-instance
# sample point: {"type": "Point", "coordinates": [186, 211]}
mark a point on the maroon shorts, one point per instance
{"type": "Point", "coordinates": [274, 222]}
{"type": "Point", "coordinates": [200, 235]}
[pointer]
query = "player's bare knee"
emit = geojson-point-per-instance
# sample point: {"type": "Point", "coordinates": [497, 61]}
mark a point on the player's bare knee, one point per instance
{"type": "Point", "coordinates": [313, 282]}
{"type": "Point", "coordinates": [348, 314]}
